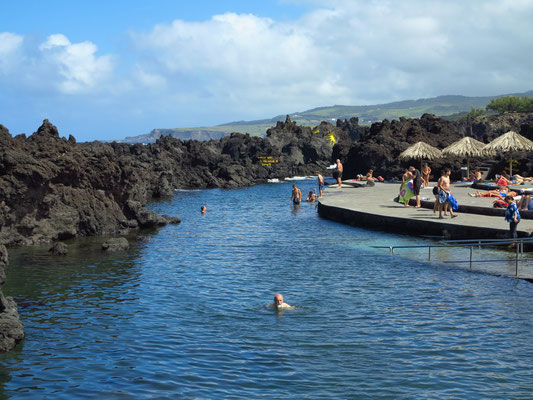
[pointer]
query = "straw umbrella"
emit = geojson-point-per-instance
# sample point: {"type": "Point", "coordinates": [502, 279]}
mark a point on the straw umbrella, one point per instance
{"type": "Point", "coordinates": [466, 147]}
{"type": "Point", "coordinates": [509, 142]}
{"type": "Point", "coordinates": [420, 151]}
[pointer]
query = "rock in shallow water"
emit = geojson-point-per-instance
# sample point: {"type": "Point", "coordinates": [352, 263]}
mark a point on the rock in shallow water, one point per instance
{"type": "Point", "coordinates": [59, 249]}
{"type": "Point", "coordinates": [11, 329]}
{"type": "Point", "coordinates": [116, 244]}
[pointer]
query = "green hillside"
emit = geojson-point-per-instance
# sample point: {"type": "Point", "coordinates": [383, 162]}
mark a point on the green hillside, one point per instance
{"type": "Point", "coordinates": [452, 106]}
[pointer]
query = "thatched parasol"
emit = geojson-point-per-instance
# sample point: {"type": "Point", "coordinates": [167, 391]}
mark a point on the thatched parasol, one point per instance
{"type": "Point", "coordinates": [420, 151]}
{"type": "Point", "coordinates": [509, 142]}
{"type": "Point", "coordinates": [466, 147]}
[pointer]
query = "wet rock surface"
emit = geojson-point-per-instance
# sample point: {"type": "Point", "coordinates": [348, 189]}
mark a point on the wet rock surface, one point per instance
{"type": "Point", "coordinates": [115, 244]}
{"type": "Point", "coordinates": [11, 329]}
{"type": "Point", "coordinates": [58, 249]}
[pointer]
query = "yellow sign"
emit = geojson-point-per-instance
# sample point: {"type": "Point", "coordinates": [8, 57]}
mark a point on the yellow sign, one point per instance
{"type": "Point", "coordinates": [267, 161]}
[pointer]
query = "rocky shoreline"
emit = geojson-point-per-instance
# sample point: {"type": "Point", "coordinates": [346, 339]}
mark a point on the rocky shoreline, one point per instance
{"type": "Point", "coordinates": [53, 188]}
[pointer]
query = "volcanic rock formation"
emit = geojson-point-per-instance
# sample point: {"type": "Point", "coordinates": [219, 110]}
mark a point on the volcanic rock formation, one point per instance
{"type": "Point", "coordinates": [11, 329]}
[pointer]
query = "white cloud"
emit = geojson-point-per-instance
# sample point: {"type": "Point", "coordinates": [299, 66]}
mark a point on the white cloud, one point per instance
{"type": "Point", "coordinates": [10, 45]}
{"type": "Point", "coordinates": [79, 68]}
{"type": "Point", "coordinates": [243, 66]}
{"type": "Point", "coordinates": [239, 59]}
{"type": "Point", "coordinates": [344, 52]}
{"type": "Point", "coordinates": [56, 65]}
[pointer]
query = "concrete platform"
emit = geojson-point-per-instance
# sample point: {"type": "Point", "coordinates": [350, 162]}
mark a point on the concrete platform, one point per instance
{"type": "Point", "coordinates": [374, 207]}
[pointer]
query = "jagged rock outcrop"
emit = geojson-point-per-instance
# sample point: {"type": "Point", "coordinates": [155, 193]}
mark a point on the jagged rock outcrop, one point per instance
{"type": "Point", "coordinates": [55, 189]}
{"type": "Point", "coordinates": [379, 146]}
{"type": "Point", "coordinates": [11, 329]}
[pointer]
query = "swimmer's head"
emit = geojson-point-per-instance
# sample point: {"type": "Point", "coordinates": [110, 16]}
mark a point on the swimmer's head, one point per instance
{"type": "Point", "coordinates": [278, 299]}
{"type": "Point", "coordinates": [203, 209]}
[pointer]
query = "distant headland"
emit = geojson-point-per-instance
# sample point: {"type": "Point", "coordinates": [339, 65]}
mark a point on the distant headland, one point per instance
{"type": "Point", "coordinates": [452, 107]}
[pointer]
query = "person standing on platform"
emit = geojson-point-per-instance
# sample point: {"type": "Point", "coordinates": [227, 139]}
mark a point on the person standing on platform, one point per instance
{"type": "Point", "coordinates": [444, 193]}
{"type": "Point", "coordinates": [426, 171]}
{"type": "Point", "coordinates": [417, 184]}
{"type": "Point", "coordinates": [320, 180]}
{"type": "Point", "coordinates": [337, 173]}
{"type": "Point", "coordinates": [512, 215]}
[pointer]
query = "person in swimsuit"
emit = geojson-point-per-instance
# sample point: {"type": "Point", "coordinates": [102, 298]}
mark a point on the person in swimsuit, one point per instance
{"type": "Point", "coordinates": [279, 304]}
{"type": "Point", "coordinates": [526, 201]}
{"type": "Point", "coordinates": [320, 180]}
{"type": "Point", "coordinates": [406, 177]}
{"type": "Point", "coordinates": [311, 197]}
{"type": "Point", "coordinates": [499, 193]}
{"type": "Point", "coordinates": [296, 196]}
{"type": "Point", "coordinates": [437, 203]}
{"type": "Point", "coordinates": [425, 174]}
{"type": "Point", "coordinates": [337, 173]}
{"type": "Point", "coordinates": [417, 184]}
{"type": "Point", "coordinates": [444, 194]}
{"type": "Point", "coordinates": [370, 176]}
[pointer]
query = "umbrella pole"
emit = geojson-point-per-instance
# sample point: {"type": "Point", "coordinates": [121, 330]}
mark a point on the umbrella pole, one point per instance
{"type": "Point", "coordinates": [511, 165]}
{"type": "Point", "coordinates": [467, 167]}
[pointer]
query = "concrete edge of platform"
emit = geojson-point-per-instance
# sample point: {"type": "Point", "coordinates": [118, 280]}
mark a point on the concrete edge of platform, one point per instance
{"type": "Point", "coordinates": [410, 226]}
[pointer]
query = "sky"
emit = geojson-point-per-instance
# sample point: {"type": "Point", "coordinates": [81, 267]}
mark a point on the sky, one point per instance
{"type": "Point", "coordinates": [104, 70]}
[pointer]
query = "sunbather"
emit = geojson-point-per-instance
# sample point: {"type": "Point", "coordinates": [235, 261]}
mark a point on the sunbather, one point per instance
{"type": "Point", "coordinates": [526, 202]}
{"type": "Point", "coordinates": [521, 179]}
{"type": "Point", "coordinates": [501, 192]}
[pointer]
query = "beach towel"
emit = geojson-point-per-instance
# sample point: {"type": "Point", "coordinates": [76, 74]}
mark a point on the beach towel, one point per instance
{"type": "Point", "coordinates": [453, 202]}
{"type": "Point", "coordinates": [499, 204]}
{"type": "Point", "coordinates": [406, 192]}
{"type": "Point", "coordinates": [443, 196]}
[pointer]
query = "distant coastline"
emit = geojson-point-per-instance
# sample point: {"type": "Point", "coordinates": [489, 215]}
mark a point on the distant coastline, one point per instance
{"type": "Point", "coordinates": [448, 107]}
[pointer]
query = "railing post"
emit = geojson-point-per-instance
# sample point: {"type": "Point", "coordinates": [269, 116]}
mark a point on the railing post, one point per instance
{"type": "Point", "coordinates": [429, 253]}
{"type": "Point", "coordinates": [516, 259]}
{"type": "Point", "coordinates": [391, 249]}
{"type": "Point", "coordinates": [471, 250]}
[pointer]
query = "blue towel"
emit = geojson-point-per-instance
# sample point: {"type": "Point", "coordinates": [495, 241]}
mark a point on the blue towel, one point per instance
{"type": "Point", "coordinates": [453, 202]}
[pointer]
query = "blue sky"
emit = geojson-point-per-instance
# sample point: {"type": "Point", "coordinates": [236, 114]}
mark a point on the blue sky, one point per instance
{"type": "Point", "coordinates": [109, 69]}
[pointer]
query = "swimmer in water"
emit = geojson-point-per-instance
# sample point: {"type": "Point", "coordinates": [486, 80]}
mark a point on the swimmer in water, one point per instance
{"type": "Point", "coordinates": [279, 304]}
{"type": "Point", "coordinates": [203, 209]}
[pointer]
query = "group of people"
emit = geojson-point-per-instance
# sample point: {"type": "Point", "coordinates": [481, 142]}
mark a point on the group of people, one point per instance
{"type": "Point", "coordinates": [296, 194]}
{"type": "Point", "coordinates": [444, 201]}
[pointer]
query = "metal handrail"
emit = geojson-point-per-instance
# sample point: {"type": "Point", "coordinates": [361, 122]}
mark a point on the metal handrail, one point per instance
{"type": "Point", "coordinates": [469, 243]}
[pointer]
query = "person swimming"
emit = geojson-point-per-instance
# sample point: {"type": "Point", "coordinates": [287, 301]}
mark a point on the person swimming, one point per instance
{"type": "Point", "coordinates": [311, 197]}
{"type": "Point", "coordinates": [279, 304]}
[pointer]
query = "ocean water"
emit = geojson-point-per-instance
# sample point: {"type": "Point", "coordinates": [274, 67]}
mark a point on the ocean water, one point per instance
{"type": "Point", "coordinates": [183, 313]}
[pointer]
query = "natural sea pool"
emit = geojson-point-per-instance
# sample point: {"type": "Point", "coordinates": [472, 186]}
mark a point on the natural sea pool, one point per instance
{"type": "Point", "coordinates": [183, 315]}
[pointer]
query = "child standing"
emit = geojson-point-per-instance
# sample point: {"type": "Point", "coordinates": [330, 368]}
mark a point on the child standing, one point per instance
{"type": "Point", "coordinates": [512, 215]}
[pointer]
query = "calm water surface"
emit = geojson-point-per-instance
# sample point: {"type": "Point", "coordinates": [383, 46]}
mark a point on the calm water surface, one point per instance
{"type": "Point", "coordinates": [183, 315]}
